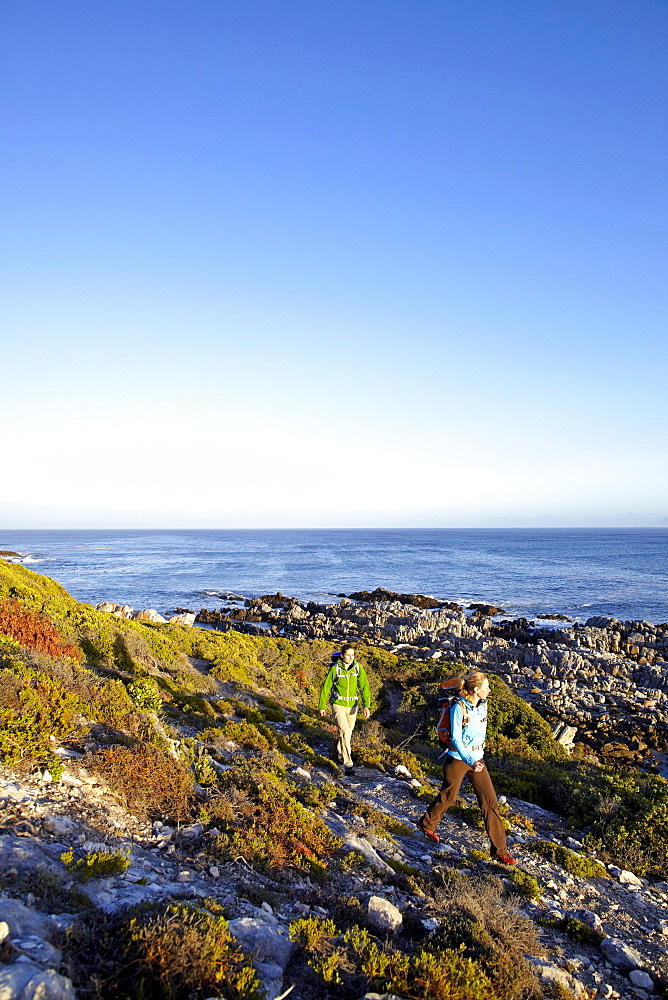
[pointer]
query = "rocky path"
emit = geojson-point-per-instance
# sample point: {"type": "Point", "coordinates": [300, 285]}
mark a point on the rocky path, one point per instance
{"type": "Point", "coordinates": [40, 819]}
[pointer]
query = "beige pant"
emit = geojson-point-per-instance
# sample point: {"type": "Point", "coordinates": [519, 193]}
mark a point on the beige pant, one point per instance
{"type": "Point", "coordinates": [345, 719]}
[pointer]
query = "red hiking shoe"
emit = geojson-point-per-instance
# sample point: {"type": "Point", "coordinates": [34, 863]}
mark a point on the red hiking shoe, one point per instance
{"type": "Point", "coordinates": [505, 859]}
{"type": "Point", "coordinates": [429, 834]}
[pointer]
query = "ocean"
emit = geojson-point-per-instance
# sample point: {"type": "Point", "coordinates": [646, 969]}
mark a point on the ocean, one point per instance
{"type": "Point", "coordinates": [580, 572]}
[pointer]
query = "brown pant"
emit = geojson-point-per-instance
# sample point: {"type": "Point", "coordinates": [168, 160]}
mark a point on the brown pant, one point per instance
{"type": "Point", "coordinates": [454, 773]}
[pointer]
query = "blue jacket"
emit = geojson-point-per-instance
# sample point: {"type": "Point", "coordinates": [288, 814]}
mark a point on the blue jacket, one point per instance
{"type": "Point", "coordinates": [468, 740]}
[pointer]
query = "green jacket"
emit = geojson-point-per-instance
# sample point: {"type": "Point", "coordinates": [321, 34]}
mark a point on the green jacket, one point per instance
{"type": "Point", "coordinates": [345, 689]}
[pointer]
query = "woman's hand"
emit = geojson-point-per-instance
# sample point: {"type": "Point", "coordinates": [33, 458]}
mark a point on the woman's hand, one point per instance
{"type": "Point", "coordinates": [367, 713]}
{"type": "Point", "coordinates": [479, 765]}
{"type": "Point", "coordinates": [322, 711]}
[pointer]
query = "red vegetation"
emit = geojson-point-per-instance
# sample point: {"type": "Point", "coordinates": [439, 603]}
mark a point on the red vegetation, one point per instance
{"type": "Point", "coordinates": [34, 630]}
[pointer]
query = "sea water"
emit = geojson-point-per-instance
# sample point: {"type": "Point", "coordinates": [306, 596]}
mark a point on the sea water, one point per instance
{"type": "Point", "coordinates": [580, 572]}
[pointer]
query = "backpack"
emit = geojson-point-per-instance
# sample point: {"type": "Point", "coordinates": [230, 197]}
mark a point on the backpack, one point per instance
{"type": "Point", "coordinates": [448, 692]}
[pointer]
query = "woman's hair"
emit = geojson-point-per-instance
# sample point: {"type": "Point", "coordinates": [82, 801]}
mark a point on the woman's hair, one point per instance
{"type": "Point", "coordinates": [472, 681]}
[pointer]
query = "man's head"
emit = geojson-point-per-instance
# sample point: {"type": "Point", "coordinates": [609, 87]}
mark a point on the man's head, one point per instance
{"type": "Point", "coordinates": [347, 653]}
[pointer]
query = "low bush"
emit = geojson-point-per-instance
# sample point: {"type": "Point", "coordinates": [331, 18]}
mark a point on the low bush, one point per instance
{"type": "Point", "coordinates": [263, 822]}
{"type": "Point", "coordinates": [48, 892]}
{"type": "Point", "coordinates": [34, 631]}
{"type": "Point", "coordinates": [96, 864]}
{"type": "Point", "coordinates": [575, 930]}
{"type": "Point", "coordinates": [355, 962]}
{"type": "Point", "coordinates": [624, 812]}
{"type": "Point", "coordinates": [173, 952]}
{"type": "Point", "coordinates": [524, 884]}
{"type": "Point", "coordinates": [476, 918]}
{"type": "Point", "coordinates": [571, 862]}
{"type": "Point", "coordinates": [151, 783]}
{"type": "Point", "coordinates": [145, 693]}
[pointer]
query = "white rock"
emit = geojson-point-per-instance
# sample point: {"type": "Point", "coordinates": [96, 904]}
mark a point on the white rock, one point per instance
{"type": "Point", "coordinates": [641, 980]}
{"type": "Point", "coordinates": [25, 981]}
{"type": "Point", "coordinates": [150, 615]}
{"type": "Point", "coordinates": [69, 779]}
{"type": "Point", "coordinates": [187, 618]}
{"type": "Point", "coordinates": [24, 922]}
{"type": "Point", "coordinates": [620, 955]}
{"type": "Point", "coordinates": [302, 773]}
{"type": "Point", "coordinates": [414, 783]}
{"type": "Point", "coordinates": [266, 942]}
{"type": "Point", "coordinates": [383, 915]}
{"type": "Point", "coordinates": [214, 871]}
{"type": "Point", "coordinates": [402, 771]}
{"type": "Point", "coordinates": [431, 924]}
{"type": "Point", "coordinates": [628, 878]}
{"type": "Point", "coordinates": [184, 876]}
{"type": "Point", "coordinates": [192, 832]}
{"type": "Point", "coordinates": [553, 975]}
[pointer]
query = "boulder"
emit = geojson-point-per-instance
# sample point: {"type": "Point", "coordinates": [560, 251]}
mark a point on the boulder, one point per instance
{"type": "Point", "coordinates": [381, 996]}
{"type": "Point", "coordinates": [552, 975]}
{"type": "Point", "coordinates": [266, 942]}
{"type": "Point", "coordinates": [620, 955]}
{"type": "Point", "coordinates": [642, 980]}
{"type": "Point", "coordinates": [24, 922]}
{"type": "Point", "coordinates": [25, 981]}
{"type": "Point", "coordinates": [383, 915]}
{"type": "Point", "coordinates": [105, 606]}
{"type": "Point", "coordinates": [150, 615]}
{"type": "Point", "coordinates": [628, 878]}
{"type": "Point", "coordinates": [184, 619]}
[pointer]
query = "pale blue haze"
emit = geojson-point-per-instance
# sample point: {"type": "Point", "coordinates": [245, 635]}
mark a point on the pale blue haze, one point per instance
{"type": "Point", "coordinates": [252, 248]}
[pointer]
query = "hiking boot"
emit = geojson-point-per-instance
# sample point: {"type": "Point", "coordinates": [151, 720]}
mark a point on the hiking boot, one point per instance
{"type": "Point", "coordinates": [504, 859]}
{"type": "Point", "coordinates": [429, 834]}
{"type": "Point", "coordinates": [348, 771]}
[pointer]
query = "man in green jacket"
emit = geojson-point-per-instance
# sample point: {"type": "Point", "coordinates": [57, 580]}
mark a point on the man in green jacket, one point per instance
{"type": "Point", "coordinates": [342, 687]}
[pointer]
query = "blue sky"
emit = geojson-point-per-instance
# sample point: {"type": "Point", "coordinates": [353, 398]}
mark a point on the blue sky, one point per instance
{"type": "Point", "coordinates": [329, 263]}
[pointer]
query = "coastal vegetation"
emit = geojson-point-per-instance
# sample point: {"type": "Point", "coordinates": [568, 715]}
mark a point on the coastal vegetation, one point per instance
{"type": "Point", "coordinates": [198, 728]}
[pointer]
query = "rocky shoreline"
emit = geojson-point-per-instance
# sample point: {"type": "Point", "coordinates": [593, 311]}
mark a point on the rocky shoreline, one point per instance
{"type": "Point", "coordinates": [602, 684]}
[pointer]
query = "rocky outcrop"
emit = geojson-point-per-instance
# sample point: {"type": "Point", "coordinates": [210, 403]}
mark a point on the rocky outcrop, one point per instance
{"type": "Point", "coordinates": [607, 680]}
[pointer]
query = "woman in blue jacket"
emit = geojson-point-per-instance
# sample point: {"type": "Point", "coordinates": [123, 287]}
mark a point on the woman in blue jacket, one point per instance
{"type": "Point", "coordinates": [468, 725]}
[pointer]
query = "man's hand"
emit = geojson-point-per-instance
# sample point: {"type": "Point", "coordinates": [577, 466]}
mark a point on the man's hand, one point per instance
{"type": "Point", "coordinates": [479, 765]}
{"type": "Point", "coordinates": [322, 711]}
{"type": "Point", "coordinates": [367, 713]}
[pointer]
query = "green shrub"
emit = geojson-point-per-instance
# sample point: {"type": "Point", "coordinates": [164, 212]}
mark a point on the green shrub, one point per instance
{"type": "Point", "coordinates": [151, 782]}
{"type": "Point", "coordinates": [569, 860]}
{"type": "Point", "coordinates": [516, 729]}
{"type": "Point", "coordinates": [524, 884]}
{"type": "Point", "coordinates": [96, 864]}
{"type": "Point", "coordinates": [262, 821]}
{"type": "Point", "coordinates": [356, 958]}
{"type": "Point", "coordinates": [625, 812]}
{"type": "Point", "coordinates": [174, 952]}
{"type": "Point", "coordinates": [145, 693]}
{"type": "Point", "coordinates": [575, 929]}
{"type": "Point", "coordinates": [48, 891]}
{"type": "Point", "coordinates": [401, 868]}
